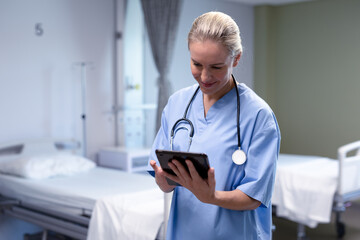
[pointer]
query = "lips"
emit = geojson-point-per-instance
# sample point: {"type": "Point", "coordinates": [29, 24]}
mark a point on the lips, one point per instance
{"type": "Point", "coordinates": [207, 85]}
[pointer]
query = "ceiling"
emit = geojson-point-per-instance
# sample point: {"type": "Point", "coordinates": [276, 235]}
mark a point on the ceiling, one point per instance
{"type": "Point", "coordinates": [267, 2]}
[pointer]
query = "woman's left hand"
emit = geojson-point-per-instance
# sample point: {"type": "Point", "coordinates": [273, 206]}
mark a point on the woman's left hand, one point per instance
{"type": "Point", "coordinates": [203, 189]}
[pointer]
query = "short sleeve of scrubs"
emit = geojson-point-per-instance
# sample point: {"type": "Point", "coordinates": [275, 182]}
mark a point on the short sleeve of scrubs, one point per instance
{"type": "Point", "coordinates": [261, 153]}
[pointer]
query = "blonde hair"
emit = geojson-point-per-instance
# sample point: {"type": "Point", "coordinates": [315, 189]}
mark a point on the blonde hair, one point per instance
{"type": "Point", "coordinates": [219, 27]}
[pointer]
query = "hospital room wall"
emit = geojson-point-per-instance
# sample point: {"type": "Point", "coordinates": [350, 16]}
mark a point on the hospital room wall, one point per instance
{"type": "Point", "coordinates": [307, 67]}
{"type": "Point", "coordinates": [40, 94]}
{"type": "Point", "coordinates": [40, 77]}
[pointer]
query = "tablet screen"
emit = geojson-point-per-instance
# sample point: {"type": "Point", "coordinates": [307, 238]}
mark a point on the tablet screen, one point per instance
{"type": "Point", "coordinates": [200, 161]}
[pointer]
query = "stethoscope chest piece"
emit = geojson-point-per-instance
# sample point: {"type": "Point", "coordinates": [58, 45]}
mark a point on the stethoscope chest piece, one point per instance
{"type": "Point", "coordinates": [239, 157]}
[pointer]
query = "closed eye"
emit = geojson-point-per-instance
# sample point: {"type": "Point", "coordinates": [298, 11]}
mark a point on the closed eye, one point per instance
{"type": "Point", "coordinates": [214, 67]}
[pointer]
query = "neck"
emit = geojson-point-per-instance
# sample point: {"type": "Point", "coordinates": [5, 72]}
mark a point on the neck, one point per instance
{"type": "Point", "coordinates": [210, 100]}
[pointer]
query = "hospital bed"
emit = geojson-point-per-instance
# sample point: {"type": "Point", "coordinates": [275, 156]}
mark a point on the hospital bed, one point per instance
{"type": "Point", "coordinates": [66, 204]}
{"type": "Point", "coordinates": [309, 188]}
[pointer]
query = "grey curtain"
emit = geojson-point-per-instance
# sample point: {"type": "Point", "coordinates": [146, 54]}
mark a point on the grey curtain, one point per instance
{"type": "Point", "coordinates": [161, 18]}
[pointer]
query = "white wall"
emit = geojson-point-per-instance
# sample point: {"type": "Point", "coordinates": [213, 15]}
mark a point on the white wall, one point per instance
{"type": "Point", "coordinates": [180, 74]}
{"type": "Point", "coordinates": [40, 83]}
{"type": "Point", "coordinates": [40, 92]}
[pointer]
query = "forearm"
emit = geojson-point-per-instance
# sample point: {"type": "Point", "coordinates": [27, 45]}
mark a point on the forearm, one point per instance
{"type": "Point", "coordinates": [234, 200]}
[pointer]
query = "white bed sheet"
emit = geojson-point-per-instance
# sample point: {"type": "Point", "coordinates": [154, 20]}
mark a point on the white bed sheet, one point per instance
{"type": "Point", "coordinates": [304, 188]}
{"type": "Point", "coordinates": [132, 216]}
{"type": "Point", "coordinates": [78, 192]}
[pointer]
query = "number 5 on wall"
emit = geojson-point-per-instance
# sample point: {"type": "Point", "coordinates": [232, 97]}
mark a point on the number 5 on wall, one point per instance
{"type": "Point", "coordinates": [38, 29]}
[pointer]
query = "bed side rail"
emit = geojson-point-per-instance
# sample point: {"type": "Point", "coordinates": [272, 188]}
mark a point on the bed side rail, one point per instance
{"type": "Point", "coordinates": [7, 202]}
{"type": "Point", "coordinates": [49, 222]}
{"type": "Point", "coordinates": [71, 225]}
{"type": "Point", "coordinates": [349, 168]}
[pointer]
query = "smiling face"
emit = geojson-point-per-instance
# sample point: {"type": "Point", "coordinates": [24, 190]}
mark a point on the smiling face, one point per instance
{"type": "Point", "coordinates": [212, 66]}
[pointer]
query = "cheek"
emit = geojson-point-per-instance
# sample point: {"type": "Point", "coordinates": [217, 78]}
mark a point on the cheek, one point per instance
{"type": "Point", "coordinates": [220, 74]}
{"type": "Point", "coordinates": [195, 72]}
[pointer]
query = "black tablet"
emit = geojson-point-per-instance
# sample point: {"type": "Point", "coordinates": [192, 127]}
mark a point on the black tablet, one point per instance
{"type": "Point", "coordinates": [200, 161]}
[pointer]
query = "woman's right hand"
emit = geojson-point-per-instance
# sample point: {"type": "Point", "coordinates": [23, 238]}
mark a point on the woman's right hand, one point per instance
{"type": "Point", "coordinates": [160, 178]}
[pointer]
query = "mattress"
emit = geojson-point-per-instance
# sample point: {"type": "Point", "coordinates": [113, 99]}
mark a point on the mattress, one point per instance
{"type": "Point", "coordinates": [77, 192]}
{"type": "Point", "coordinates": [304, 188]}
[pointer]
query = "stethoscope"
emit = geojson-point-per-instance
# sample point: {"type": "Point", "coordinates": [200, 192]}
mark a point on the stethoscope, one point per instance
{"type": "Point", "coordinates": [239, 156]}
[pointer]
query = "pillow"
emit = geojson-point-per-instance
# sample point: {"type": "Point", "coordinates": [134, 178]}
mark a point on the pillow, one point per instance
{"type": "Point", "coordinates": [41, 167]}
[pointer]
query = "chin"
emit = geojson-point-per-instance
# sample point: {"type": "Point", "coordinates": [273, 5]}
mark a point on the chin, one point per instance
{"type": "Point", "coordinates": [208, 91]}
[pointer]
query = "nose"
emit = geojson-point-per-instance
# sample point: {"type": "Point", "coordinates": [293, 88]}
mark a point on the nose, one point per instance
{"type": "Point", "coordinates": [205, 75]}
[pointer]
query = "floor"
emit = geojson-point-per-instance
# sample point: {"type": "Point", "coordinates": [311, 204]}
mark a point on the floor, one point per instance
{"type": "Point", "coordinates": [286, 230]}
{"type": "Point", "coordinates": [50, 236]}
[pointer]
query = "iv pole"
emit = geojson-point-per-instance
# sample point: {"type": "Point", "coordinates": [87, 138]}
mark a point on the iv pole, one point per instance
{"type": "Point", "coordinates": [84, 66]}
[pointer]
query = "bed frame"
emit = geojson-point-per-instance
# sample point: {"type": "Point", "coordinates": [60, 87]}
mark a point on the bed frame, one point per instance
{"type": "Point", "coordinates": [349, 162]}
{"type": "Point", "coordinates": [343, 193]}
{"type": "Point", "coordinates": [71, 225]}
{"type": "Point", "coordinates": [74, 224]}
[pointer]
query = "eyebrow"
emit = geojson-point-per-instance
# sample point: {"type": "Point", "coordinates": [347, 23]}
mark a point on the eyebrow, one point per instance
{"type": "Point", "coordinates": [210, 64]}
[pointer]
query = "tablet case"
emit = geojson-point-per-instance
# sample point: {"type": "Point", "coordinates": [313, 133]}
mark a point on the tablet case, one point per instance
{"type": "Point", "coordinates": [200, 161]}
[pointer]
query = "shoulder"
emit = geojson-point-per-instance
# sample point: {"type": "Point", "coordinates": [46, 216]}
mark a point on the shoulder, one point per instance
{"type": "Point", "coordinates": [178, 101]}
{"type": "Point", "coordinates": [254, 106]}
{"type": "Point", "coordinates": [183, 95]}
{"type": "Point", "coordinates": [251, 100]}
{"type": "Point", "coordinates": [259, 116]}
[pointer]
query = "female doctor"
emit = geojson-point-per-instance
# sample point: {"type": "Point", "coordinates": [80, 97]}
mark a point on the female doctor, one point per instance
{"type": "Point", "coordinates": [234, 127]}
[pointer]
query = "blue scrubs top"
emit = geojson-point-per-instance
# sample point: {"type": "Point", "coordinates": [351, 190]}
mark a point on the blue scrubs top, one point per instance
{"type": "Point", "coordinates": [216, 135]}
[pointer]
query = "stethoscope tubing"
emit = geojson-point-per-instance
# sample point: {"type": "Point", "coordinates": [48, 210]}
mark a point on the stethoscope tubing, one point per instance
{"type": "Point", "coordinates": [185, 119]}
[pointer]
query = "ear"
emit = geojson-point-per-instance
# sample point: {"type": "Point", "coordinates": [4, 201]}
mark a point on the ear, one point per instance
{"type": "Point", "coordinates": [236, 60]}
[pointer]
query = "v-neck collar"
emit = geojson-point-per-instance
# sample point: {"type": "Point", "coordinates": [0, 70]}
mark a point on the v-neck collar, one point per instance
{"type": "Point", "coordinates": [216, 108]}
